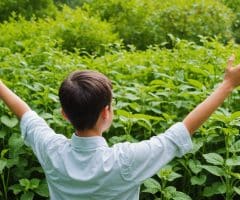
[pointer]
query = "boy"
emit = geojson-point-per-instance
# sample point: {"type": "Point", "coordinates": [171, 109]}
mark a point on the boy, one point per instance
{"type": "Point", "coordinates": [84, 167]}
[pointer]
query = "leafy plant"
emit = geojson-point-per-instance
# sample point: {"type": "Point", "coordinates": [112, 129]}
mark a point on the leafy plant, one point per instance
{"type": "Point", "coordinates": [26, 8]}
{"type": "Point", "coordinates": [143, 23]}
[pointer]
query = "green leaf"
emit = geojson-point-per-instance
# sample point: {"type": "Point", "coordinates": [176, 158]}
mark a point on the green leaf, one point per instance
{"type": "Point", "coordinates": [194, 165]}
{"type": "Point", "coordinates": [12, 161]}
{"type": "Point", "coordinates": [152, 186]}
{"type": "Point", "coordinates": [135, 106]}
{"type": "Point", "coordinates": [237, 190]}
{"type": "Point", "coordinates": [168, 174]}
{"type": "Point", "coordinates": [214, 158]}
{"type": "Point", "coordinates": [3, 164]}
{"type": "Point", "coordinates": [196, 83]}
{"type": "Point", "coordinates": [2, 134]}
{"type": "Point", "coordinates": [215, 188]}
{"type": "Point", "coordinates": [144, 123]}
{"type": "Point", "coordinates": [234, 115]}
{"type": "Point", "coordinates": [25, 183]}
{"type": "Point", "coordinates": [151, 190]}
{"type": "Point", "coordinates": [3, 152]}
{"type": "Point", "coordinates": [15, 142]}
{"type": "Point", "coordinates": [9, 122]}
{"type": "Point", "coordinates": [27, 196]}
{"type": "Point", "coordinates": [220, 117]}
{"type": "Point", "coordinates": [217, 171]}
{"type": "Point", "coordinates": [173, 175]}
{"type": "Point", "coordinates": [42, 189]}
{"type": "Point", "coordinates": [200, 71]}
{"type": "Point", "coordinates": [34, 183]}
{"type": "Point", "coordinates": [234, 161]}
{"type": "Point", "coordinates": [124, 113]}
{"type": "Point", "coordinates": [146, 117]}
{"type": "Point", "coordinates": [181, 196]}
{"type": "Point", "coordinates": [169, 192]}
{"type": "Point", "coordinates": [16, 188]}
{"type": "Point", "coordinates": [196, 146]}
{"type": "Point", "coordinates": [235, 147]}
{"type": "Point", "coordinates": [236, 175]}
{"type": "Point", "coordinates": [53, 97]}
{"type": "Point", "coordinates": [131, 97]}
{"type": "Point", "coordinates": [198, 180]}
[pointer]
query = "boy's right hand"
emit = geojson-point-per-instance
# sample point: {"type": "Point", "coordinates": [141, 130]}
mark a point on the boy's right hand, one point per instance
{"type": "Point", "coordinates": [203, 111]}
{"type": "Point", "coordinates": [232, 74]}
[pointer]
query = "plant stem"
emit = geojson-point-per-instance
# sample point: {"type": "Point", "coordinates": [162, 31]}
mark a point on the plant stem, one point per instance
{"type": "Point", "coordinates": [4, 187]}
{"type": "Point", "coordinates": [227, 169]}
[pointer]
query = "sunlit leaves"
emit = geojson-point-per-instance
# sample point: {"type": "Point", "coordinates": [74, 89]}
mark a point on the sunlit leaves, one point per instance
{"type": "Point", "coordinates": [152, 186]}
{"type": "Point", "coordinates": [214, 158]}
{"type": "Point", "coordinates": [9, 122]}
{"type": "Point", "coordinates": [216, 188]}
{"type": "Point", "coordinates": [198, 180]}
{"type": "Point", "coordinates": [217, 171]}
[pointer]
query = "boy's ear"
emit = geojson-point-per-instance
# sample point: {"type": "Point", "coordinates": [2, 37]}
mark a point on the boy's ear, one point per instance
{"type": "Point", "coordinates": [105, 112]}
{"type": "Point", "coordinates": [64, 115]}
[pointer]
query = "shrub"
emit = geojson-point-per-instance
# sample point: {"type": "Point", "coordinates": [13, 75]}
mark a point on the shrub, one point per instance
{"type": "Point", "coordinates": [188, 19]}
{"type": "Point", "coordinates": [145, 22]}
{"type": "Point", "coordinates": [78, 30]}
{"type": "Point", "coordinates": [21, 35]}
{"type": "Point", "coordinates": [235, 6]}
{"type": "Point", "coordinates": [70, 30]}
{"type": "Point", "coordinates": [128, 17]}
{"type": "Point", "coordinates": [26, 8]}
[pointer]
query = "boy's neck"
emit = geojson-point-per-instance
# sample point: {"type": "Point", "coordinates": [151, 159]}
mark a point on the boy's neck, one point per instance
{"type": "Point", "coordinates": [89, 133]}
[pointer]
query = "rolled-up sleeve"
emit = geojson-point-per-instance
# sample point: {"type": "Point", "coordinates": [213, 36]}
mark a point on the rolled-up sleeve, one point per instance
{"type": "Point", "coordinates": [142, 160]}
{"type": "Point", "coordinates": [38, 135]}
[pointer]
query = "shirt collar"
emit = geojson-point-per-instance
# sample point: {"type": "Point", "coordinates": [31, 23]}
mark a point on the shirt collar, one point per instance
{"type": "Point", "coordinates": [87, 143]}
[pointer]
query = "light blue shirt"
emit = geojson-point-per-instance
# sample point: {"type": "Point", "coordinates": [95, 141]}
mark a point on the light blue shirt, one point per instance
{"type": "Point", "coordinates": [86, 168]}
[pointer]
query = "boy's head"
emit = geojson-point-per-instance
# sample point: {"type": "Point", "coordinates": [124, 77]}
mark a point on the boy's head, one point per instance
{"type": "Point", "coordinates": [83, 96]}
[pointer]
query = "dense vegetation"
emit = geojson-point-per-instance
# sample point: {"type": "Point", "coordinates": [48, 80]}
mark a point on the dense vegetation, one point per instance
{"type": "Point", "coordinates": [163, 59]}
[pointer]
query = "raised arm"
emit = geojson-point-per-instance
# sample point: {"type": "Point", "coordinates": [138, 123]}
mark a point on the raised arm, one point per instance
{"type": "Point", "coordinates": [14, 103]}
{"type": "Point", "coordinates": [203, 111]}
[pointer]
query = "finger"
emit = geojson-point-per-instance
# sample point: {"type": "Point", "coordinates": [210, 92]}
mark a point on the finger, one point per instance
{"type": "Point", "coordinates": [230, 61]}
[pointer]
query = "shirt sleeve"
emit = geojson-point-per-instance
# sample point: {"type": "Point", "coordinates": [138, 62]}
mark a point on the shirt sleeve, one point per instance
{"type": "Point", "coordinates": [142, 160]}
{"type": "Point", "coordinates": [39, 136]}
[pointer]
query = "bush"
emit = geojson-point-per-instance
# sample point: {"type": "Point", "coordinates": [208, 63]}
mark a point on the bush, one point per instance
{"type": "Point", "coordinates": [145, 22]}
{"type": "Point", "coordinates": [78, 30]}
{"type": "Point", "coordinates": [71, 30]}
{"type": "Point", "coordinates": [26, 8]}
{"type": "Point", "coordinates": [129, 18]}
{"type": "Point", "coordinates": [189, 19]}
{"type": "Point", "coordinates": [235, 6]}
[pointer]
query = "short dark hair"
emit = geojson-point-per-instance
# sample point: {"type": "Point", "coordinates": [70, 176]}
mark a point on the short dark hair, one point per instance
{"type": "Point", "coordinates": [83, 95]}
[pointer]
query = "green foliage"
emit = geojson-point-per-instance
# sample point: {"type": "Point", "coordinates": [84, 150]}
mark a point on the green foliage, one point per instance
{"type": "Point", "coordinates": [188, 19]}
{"type": "Point", "coordinates": [152, 89]}
{"type": "Point", "coordinates": [143, 23]}
{"type": "Point", "coordinates": [78, 30]}
{"type": "Point", "coordinates": [70, 3]}
{"type": "Point", "coordinates": [26, 8]}
{"type": "Point", "coordinates": [235, 6]}
{"type": "Point", "coordinates": [70, 30]}
{"type": "Point", "coordinates": [128, 17]}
